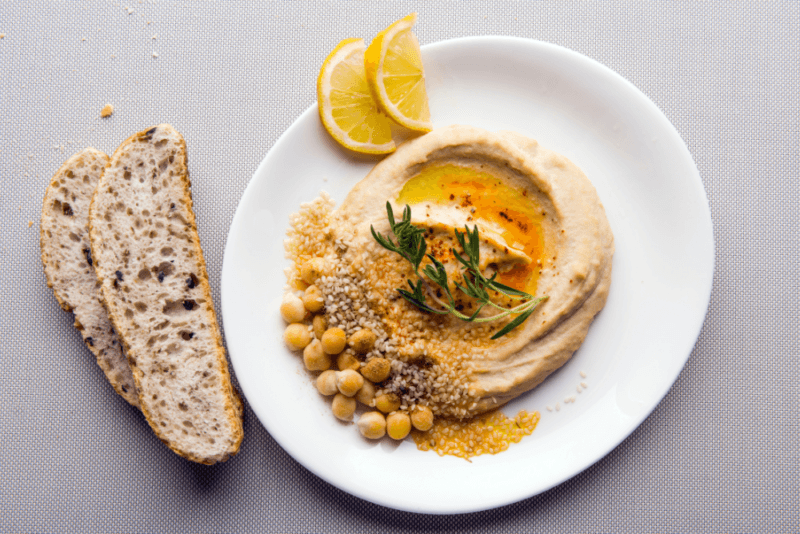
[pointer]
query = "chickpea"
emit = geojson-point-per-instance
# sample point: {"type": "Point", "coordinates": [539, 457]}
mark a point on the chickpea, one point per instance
{"type": "Point", "coordinates": [292, 309]}
{"type": "Point", "coordinates": [326, 383]}
{"type": "Point", "coordinates": [362, 341]}
{"type": "Point", "coordinates": [377, 369]}
{"type": "Point", "coordinates": [320, 324]}
{"type": "Point", "coordinates": [422, 418]}
{"type": "Point", "coordinates": [347, 361]}
{"type": "Point", "coordinates": [343, 407]}
{"type": "Point", "coordinates": [296, 336]}
{"type": "Point", "coordinates": [312, 299]}
{"type": "Point", "coordinates": [366, 393]}
{"type": "Point", "coordinates": [398, 425]}
{"type": "Point", "coordinates": [333, 340]}
{"type": "Point", "coordinates": [299, 284]}
{"type": "Point", "coordinates": [388, 402]}
{"type": "Point", "coordinates": [314, 357]}
{"type": "Point", "coordinates": [372, 425]}
{"type": "Point", "coordinates": [349, 382]}
{"type": "Point", "coordinates": [312, 270]}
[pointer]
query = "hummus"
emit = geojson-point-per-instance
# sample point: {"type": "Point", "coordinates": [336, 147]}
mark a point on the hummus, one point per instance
{"type": "Point", "coordinates": [543, 230]}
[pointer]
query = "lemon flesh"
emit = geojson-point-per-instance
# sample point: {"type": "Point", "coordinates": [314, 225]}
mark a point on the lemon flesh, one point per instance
{"type": "Point", "coordinates": [346, 106]}
{"type": "Point", "coordinates": [396, 76]}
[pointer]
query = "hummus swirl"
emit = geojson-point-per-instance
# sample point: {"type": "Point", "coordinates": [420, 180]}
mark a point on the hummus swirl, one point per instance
{"type": "Point", "coordinates": [543, 230]}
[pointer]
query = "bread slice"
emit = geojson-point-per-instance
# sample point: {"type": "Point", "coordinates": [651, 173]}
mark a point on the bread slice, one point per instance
{"type": "Point", "coordinates": [154, 283]}
{"type": "Point", "coordinates": [67, 260]}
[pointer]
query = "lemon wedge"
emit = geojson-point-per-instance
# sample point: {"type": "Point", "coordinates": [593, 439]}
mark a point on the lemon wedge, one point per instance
{"type": "Point", "coordinates": [396, 77]}
{"type": "Point", "coordinates": [346, 107]}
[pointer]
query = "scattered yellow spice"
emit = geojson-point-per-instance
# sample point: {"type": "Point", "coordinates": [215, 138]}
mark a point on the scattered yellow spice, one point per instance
{"type": "Point", "coordinates": [490, 433]}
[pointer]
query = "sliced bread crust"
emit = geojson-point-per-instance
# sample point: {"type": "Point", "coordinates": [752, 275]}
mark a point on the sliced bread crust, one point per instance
{"type": "Point", "coordinates": [154, 283]}
{"type": "Point", "coordinates": [67, 261]}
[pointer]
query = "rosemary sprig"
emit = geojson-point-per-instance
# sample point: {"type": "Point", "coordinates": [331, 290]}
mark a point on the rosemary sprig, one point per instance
{"type": "Point", "coordinates": [411, 245]}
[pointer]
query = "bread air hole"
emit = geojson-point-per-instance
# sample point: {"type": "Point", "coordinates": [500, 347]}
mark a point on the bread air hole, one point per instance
{"type": "Point", "coordinates": [65, 208]}
{"type": "Point", "coordinates": [163, 270]}
{"type": "Point", "coordinates": [141, 307]}
{"type": "Point", "coordinates": [144, 274]}
{"type": "Point", "coordinates": [178, 307]}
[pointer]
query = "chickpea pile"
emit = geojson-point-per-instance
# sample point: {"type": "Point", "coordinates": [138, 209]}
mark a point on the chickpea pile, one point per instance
{"type": "Point", "coordinates": [308, 331]}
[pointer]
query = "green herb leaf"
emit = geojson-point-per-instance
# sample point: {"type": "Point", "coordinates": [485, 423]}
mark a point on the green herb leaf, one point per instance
{"type": "Point", "coordinates": [411, 245]}
{"type": "Point", "coordinates": [502, 288]}
{"type": "Point", "coordinates": [518, 320]}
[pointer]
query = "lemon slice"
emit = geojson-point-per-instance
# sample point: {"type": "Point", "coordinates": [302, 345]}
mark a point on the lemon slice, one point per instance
{"type": "Point", "coordinates": [396, 77]}
{"type": "Point", "coordinates": [346, 106]}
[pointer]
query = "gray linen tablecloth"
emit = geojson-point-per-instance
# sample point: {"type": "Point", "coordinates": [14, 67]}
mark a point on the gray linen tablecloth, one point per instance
{"type": "Point", "coordinates": [719, 454]}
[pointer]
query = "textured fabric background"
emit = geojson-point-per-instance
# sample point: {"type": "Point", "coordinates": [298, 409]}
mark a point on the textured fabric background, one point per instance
{"type": "Point", "coordinates": [721, 452]}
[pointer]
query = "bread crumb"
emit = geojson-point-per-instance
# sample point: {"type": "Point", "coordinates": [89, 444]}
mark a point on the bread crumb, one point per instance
{"type": "Point", "coordinates": [155, 54]}
{"type": "Point", "coordinates": [154, 37]}
{"type": "Point", "coordinates": [83, 38]}
{"type": "Point", "coordinates": [107, 111]}
{"type": "Point", "coordinates": [2, 36]}
{"type": "Point", "coordinates": [130, 10]}
{"type": "Point", "coordinates": [30, 223]}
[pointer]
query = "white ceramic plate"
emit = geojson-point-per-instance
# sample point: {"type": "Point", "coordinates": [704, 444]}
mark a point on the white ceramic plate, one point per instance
{"type": "Point", "coordinates": [635, 349]}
